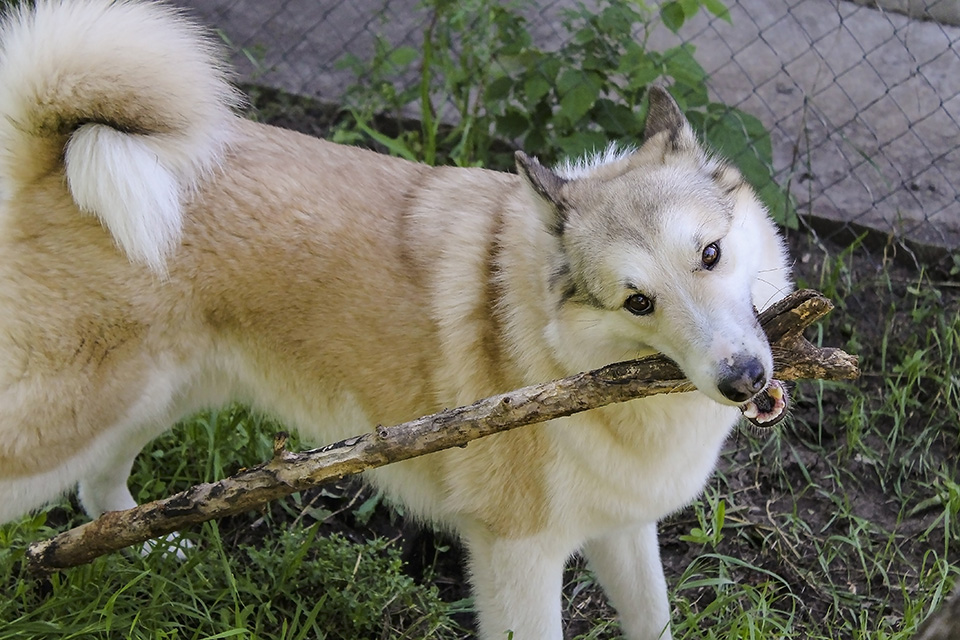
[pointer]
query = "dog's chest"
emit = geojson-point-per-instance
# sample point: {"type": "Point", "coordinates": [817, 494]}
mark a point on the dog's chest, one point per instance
{"type": "Point", "coordinates": [636, 462]}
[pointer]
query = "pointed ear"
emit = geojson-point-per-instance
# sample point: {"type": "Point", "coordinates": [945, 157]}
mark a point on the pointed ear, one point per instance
{"type": "Point", "coordinates": [544, 181]}
{"type": "Point", "coordinates": [663, 114]}
{"type": "Point", "coordinates": [545, 184]}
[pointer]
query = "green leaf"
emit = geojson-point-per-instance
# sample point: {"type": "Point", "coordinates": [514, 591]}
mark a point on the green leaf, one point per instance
{"type": "Point", "coordinates": [578, 91]}
{"type": "Point", "coordinates": [717, 8]}
{"type": "Point", "coordinates": [672, 15]}
{"type": "Point", "coordinates": [617, 21]}
{"type": "Point", "coordinates": [633, 55]}
{"type": "Point", "coordinates": [745, 141]}
{"type": "Point", "coordinates": [616, 120]}
{"type": "Point", "coordinates": [639, 67]}
{"type": "Point", "coordinates": [680, 64]}
{"type": "Point", "coordinates": [526, 59]}
{"type": "Point", "coordinates": [364, 512]}
{"type": "Point", "coordinates": [696, 536]}
{"type": "Point", "coordinates": [690, 87]}
{"type": "Point", "coordinates": [513, 124]}
{"type": "Point", "coordinates": [690, 8]}
{"type": "Point", "coordinates": [535, 143]}
{"type": "Point", "coordinates": [395, 146]}
{"type": "Point", "coordinates": [584, 36]}
{"type": "Point", "coordinates": [781, 204]}
{"type": "Point", "coordinates": [568, 80]}
{"type": "Point", "coordinates": [697, 120]}
{"type": "Point", "coordinates": [743, 130]}
{"type": "Point", "coordinates": [573, 78]}
{"type": "Point", "coordinates": [549, 67]}
{"type": "Point", "coordinates": [577, 101]}
{"type": "Point", "coordinates": [719, 516]}
{"type": "Point", "coordinates": [499, 89]}
{"type": "Point", "coordinates": [403, 56]}
{"type": "Point", "coordinates": [582, 142]}
{"type": "Point", "coordinates": [641, 76]}
{"type": "Point", "coordinates": [535, 87]}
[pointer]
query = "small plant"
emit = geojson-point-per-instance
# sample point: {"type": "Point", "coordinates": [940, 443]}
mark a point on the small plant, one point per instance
{"type": "Point", "coordinates": [711, 517]}
{"type": "Point", "coordinates": [480, 87]}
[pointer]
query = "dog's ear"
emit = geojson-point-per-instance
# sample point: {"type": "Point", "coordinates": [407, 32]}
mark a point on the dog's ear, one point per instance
{"type": "Point", "coordinates": [544, 181]}
{"type": "Point", "coordinates": [663, 114]}
{"type": "Point", "coordinates": [546, 184]}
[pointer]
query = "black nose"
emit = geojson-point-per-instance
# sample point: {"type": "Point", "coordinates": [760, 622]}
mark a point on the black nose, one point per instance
{"type": "Point", "coordinates": [743, 379]}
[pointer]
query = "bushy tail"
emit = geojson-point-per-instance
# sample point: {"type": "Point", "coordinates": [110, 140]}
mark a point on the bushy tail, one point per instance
{"type": "Point", "coordinates": [129, 96]}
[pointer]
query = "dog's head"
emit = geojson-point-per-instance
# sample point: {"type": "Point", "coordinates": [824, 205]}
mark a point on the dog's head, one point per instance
{"type": "Point", "coordinates": [661, 249]}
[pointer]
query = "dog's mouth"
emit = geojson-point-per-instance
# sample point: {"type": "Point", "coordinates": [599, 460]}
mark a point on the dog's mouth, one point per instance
{"type": "Point", "coordinates": [767, 408]}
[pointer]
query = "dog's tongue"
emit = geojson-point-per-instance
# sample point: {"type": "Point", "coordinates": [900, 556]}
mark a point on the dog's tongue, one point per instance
{"type": "Point", "coordinates": [768, 407]}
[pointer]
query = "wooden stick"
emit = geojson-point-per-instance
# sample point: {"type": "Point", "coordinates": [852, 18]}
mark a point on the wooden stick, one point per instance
{"type": "Point", "coordinates": [288, 472]}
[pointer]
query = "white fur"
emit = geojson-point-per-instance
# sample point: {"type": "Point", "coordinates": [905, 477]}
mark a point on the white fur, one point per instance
{"type": "Point", "coordinates": [582, 166]}
{"type": "Point", "coordinates": [120, 178]}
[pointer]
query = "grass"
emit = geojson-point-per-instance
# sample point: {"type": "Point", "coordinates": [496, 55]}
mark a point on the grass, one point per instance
{"type": "Point", "coordinates": [263, 575]}
{"type": "Point", "coordinates": [295, 585]}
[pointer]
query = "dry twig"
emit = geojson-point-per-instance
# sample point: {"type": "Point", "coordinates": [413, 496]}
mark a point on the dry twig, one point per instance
{"type": "Point", "coordinates": [289, 472]}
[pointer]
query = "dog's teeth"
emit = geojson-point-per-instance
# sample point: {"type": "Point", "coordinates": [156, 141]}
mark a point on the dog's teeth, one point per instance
{"type": "Point", "coordinates": [774, 401]}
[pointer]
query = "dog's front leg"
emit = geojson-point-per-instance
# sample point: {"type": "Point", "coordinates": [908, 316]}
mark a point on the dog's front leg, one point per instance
{"type": "Point", "coordinates": [517, 587]}
{"type": "Point", "coordinates": [104, 488]}
{"type": "Point", "coordinates": [627, 564]}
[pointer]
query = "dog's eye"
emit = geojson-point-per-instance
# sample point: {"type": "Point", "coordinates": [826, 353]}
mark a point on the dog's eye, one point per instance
{"type": "Point", "coordinates": [639, 304]}
{"type": "Point", "coordinates": [710, 255]}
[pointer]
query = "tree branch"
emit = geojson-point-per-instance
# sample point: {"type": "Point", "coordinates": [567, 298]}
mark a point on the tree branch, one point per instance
{"type": "Point", "coordinates": [288, 472]}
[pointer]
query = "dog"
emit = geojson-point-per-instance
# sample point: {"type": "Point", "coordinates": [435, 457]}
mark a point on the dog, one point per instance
{"type": "Point", "coordinates": [160, 254]}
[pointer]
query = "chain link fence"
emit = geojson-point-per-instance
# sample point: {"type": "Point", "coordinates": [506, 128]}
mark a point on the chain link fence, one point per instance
{"type": "Point", "coordinates": [862, 101]}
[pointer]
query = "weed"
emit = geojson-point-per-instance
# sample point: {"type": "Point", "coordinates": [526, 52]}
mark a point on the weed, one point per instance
{"type": "Point", "coordinates": [481, 81]}
{"type": "Point", "coordinates": [711, 513]}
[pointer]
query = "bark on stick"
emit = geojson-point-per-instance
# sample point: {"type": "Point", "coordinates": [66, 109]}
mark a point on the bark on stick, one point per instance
{"type": "Point", "coordinates": [794, 358]}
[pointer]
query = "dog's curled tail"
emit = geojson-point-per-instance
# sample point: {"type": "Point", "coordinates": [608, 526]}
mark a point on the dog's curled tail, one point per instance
{"type": "Point", "coordinates": [129, 98]}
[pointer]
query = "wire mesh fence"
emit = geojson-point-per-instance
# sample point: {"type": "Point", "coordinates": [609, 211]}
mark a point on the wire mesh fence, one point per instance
{"type": "Point", "coordinates": [862, 102]}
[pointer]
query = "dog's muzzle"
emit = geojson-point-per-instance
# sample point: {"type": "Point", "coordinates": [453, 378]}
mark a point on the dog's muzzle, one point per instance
{"type": "Point", "coordinates": [742, 379]}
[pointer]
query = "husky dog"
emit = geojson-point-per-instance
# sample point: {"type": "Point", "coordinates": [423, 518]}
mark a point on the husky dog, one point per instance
{"type": "Point", "coordinates": [160, 254]}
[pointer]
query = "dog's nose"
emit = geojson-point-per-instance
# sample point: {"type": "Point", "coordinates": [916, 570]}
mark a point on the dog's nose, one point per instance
{"type": "Point", "coordinates": [743, 379]}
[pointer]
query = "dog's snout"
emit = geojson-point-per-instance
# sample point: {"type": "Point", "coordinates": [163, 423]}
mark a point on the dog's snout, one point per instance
{"type": "Point", "coordinates": [743, 379]}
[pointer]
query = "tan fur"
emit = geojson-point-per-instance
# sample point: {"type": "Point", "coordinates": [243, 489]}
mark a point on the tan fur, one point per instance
{"type": "Point", "coordinates": [338, 289]}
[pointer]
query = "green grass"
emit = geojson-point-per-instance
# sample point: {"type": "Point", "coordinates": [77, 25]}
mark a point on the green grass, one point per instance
{"type": "Point", "coordinates": [292, 585]}
{"type": "Point", "coordinates": [265, 575]}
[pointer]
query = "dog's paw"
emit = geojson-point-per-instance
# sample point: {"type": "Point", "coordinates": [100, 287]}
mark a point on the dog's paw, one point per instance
{"type": "Point", "coordinates": [172, 544]}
